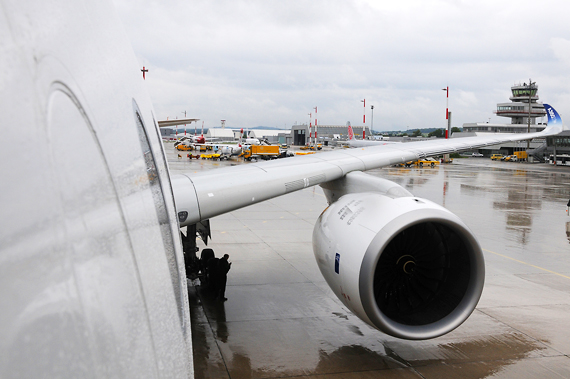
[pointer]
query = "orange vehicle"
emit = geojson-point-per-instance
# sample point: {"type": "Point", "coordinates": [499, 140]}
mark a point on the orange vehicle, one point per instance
{"type": "Point", "coordinates": [261, 151]}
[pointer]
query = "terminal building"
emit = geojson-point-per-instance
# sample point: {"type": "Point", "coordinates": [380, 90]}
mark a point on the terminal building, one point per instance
{"type": "Point", "coordinates": [524, 110]}
{"type": "Point", "coordinates": [326, 134]}
{"type": "Point", "coordinates": [300, 134]}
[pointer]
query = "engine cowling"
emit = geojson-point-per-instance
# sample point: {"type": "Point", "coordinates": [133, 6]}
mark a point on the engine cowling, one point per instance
{"type": "Point", "coordinates": [404, 265]}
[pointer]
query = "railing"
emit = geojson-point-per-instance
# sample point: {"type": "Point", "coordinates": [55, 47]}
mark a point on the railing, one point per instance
{"type": "Point", "coordinates": [521, 112]}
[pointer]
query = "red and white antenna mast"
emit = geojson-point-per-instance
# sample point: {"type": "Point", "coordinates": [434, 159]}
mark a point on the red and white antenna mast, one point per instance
{"type": "Point", "coordinates": [310, 129]}
{"type": "Point", "coordinates": [364, 120]}
{"type": "Point", "coordinates": [316, 140]}
{"type": "Point", "coordinates": [446, 89]}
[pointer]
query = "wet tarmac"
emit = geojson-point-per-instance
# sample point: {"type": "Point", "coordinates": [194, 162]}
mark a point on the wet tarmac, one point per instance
{"type": "Point", "coordinates": [281, 319]}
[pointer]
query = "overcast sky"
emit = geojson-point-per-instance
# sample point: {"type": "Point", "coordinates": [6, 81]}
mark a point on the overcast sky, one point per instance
{"type": "Point", "coordinates": [261, 62]}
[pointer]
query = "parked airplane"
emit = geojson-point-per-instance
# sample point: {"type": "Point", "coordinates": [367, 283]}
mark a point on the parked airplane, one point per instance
{"type": "Point", "coordinates": [190, 139]}
{"type": "Point", "coordinates": [196, 142]}
{"type": "Point", "coordinates": [92, 280]}
{"type": "Point", "coordinates": [186, 138]}
{"type": "Point", "coordinates": [353, 142]}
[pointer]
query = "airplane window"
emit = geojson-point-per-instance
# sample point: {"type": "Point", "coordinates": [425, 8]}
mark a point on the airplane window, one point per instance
{"type": "Point", "coordinates": [160, 206]}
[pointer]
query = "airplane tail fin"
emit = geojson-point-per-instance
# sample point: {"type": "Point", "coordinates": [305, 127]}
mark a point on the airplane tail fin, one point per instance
{"type": "Point", "coordinates": [553, 118]}
{"type": "Point", "coordinates": [350, 131]}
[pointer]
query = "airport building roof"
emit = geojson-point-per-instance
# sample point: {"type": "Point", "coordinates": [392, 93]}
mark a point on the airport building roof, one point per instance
{"type": "Point", "coordinates": [220, 133]}
{"type": "Point", "coordinates": [330, 130]}
{"type": "Point", "coordinates": [261, 133]}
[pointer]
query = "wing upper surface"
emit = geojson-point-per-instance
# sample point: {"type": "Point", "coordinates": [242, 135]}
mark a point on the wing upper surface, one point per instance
{"type": "Point", "coordinates": [211, 193]}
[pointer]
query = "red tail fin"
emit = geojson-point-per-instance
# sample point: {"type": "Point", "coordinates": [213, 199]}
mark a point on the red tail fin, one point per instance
{"type": "Point", "coordinates": [350, 132]}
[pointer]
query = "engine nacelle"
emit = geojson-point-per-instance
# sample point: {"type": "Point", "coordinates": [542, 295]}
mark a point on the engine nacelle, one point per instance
{"type": "Point", "coordinates": [404, 265]}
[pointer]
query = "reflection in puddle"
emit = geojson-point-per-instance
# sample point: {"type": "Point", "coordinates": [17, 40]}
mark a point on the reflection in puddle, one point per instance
{"type": "Point", "coordinates": [255, 361]}
{"type": "Point", "coordinates": [518, 194]}
{"type": "Point", "coordinates": [332, 345]}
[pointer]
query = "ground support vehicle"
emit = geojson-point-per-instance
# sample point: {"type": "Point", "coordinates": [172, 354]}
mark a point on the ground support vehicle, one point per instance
{"type": "Point", "coordinates": [183, 147]}
{"type": "Point", "coordinates": [303, 153]}
{"type": "Point", "coordinates": [561, 160]}
{"type": "Point", "coordinates": [211, 156]}
{"type": "Point", "coordinates": [521, 155]}
{"type": "Point", "coordinates": [261, 151]}
{"type": "Point", "coordinates": [427, 162]}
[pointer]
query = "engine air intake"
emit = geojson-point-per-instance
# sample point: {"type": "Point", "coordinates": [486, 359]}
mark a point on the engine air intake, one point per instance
{"type": "Point", "coordinates": [422, 275]}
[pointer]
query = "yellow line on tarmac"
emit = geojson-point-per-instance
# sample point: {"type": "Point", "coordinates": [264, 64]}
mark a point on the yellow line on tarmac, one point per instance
{"type": "Point", "coordinates": [528, 264]}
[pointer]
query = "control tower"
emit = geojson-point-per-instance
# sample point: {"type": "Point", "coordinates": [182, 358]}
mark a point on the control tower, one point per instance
{"type": "Point", "coordinates": [523, 96]}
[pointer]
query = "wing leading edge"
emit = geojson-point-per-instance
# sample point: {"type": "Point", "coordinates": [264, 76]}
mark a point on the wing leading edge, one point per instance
{"type": "Point", "coordinates": [205, 195]}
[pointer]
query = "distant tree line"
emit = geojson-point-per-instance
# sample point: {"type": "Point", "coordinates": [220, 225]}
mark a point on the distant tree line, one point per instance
{"type": "Point", "coordinates": [438, 133]}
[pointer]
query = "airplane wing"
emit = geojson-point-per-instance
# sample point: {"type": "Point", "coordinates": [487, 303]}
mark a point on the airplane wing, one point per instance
{"type": "Point", "coordinates": [204, 195]}
{"type": "Point", "coordinates": [404, 265]}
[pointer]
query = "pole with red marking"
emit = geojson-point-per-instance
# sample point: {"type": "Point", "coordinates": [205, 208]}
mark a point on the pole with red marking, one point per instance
{"type": "Point", "coordinates": [310, 128]}
{"type": "Point", "coordinates": [364, 120]}
{"type": "Point", "coordinates": [316, 140]}
{"type": "Point", "coordinates": [446, 89]}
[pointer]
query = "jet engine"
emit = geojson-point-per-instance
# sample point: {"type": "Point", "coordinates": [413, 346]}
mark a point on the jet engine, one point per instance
{"type": "Point", "coordinates": [404, 265]}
